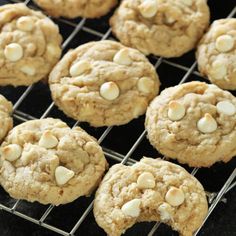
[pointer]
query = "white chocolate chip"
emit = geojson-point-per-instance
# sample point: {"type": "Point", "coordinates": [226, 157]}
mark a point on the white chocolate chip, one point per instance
{"type": "Point", "coordinates": [122, 57]}
{"type": "Point", "coordinates": [48, 140]}
{"type": "Point", "coordinates": [169, 20]}
{"type": "Point", "coordinates": [53, 50]}
{"type": "Point", "coordinates": [63, 175]}
{"type": "Point", "coordinates": [11, 152]}
{"type": "Point", "coordinates": [175, 196]}
{"type": "Point", "coordinates": [79, 68]}
{"type": "Point", "coordinates": [146, 180]}
{"type": "Point", "coordinates": [165, 211]}
{"type": "Point", "coordinates": [25, 23]}
{"type": "Point", "coordinates": [132, 208]}
{"type": "Point", "coordinates": [226, 107]}
{"type": "Point", "coordinates": [28, 70]}
{"type": "Point", "coordinates": [13, 52]}
{"type": "Point", "coordinates": [224, 43]}
{"type": "Point", "coordinates": [219, 69]}
{"type": "Point", "coordinates": [176, 111]}
{"type": "Point", "coordinates": [109, 91]}
{"type": "Point", "coordinates": [148, 8]}
{"type": "Point", "coordinates": [187, 2]}
{"type": "Point", "coordinates": [145, 85]}
{"type": "Point", "coordinates": [207, 124]}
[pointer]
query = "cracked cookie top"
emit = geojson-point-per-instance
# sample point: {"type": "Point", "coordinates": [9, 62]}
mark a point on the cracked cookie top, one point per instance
{"type": "Point", "coordinates": [150, 190]}
{"type": "Point", "coordinates": [46, 161]}
{"type": "Point", "coordinates": [167, 28]}
{"type": "Point", "coordinates": [30, 45]}
{"type": "Point", "coordinates": [75, 8]}
{"type": "Point", "coordinates": [216, 54]}
{"type": "Point", "coordinates": [194, 123]}
{"type": "Point", "coordinates": [104, 83]}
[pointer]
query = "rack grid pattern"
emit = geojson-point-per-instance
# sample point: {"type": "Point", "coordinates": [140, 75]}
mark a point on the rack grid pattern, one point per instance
{"type": "Point", "coordinates": [20, 116]}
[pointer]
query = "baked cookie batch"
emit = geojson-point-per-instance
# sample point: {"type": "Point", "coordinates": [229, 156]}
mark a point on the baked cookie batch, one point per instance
{"type": "Point", "coordinates": [107, 83]}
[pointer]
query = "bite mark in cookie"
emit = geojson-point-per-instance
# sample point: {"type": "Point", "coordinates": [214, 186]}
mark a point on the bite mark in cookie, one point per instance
{"type": "Point", "coordinates": [150, 190]}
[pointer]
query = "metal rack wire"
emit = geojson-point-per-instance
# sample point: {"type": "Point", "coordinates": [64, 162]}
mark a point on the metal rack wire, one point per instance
{"type": "Point", "coordinates": [111, 154]}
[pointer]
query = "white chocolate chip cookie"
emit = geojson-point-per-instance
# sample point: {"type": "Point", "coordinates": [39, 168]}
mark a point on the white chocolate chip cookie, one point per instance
{"type": "Point", "coordinates": [175, 197]}
{"type": "Point", "coordinates": [216, 54]}
{"type": "Point", "coordinates": [6, 121]}
{"type": "Point", "coordinates": [167, 28]}
{"type": "Point", "coordinates": [199, 129]}
{"type": "Point", "coordinates": [75, 8]}
{"type": "Point", "coordinates": [30, 45]}
{"type": "Point", "coordinates": [46, 161]}
{"type": "Point", "coordinates": [104, 83]}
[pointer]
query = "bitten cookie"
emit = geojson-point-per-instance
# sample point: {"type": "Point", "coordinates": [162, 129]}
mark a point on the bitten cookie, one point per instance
{"type": "Point", "coordinates": [75, 8]}
{"type": "Point", "coordinates": [216, 54]}
{"type": "Point", "coordinates": [103, 83]}
{"type": "Point", "coordinates": [194, 123]}
{"type": "Point", "coordinates": [29, 45]}
{"type": "Point", "coordinates": [46, 161]}
{"type": "Point", "coordinates": [6, 121]}
{"type": "Point", "coordinates": [150, 190]}
{"type": "Point", "coordinates": [167, 28]}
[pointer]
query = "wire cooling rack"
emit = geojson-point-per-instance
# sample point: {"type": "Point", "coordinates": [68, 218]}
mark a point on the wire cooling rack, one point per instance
{"type": "Point", "coordinates": [124, 144]}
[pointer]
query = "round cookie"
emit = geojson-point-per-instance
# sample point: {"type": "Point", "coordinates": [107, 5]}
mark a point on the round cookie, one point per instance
{"type": "Point", "coordinates": [194, 123]}
{"type": "Point", "coordinates": [216, 54]}
{"type": "Point", "coordinates": [167, 28]}
{"type": "Point", "coordinates": [150, 190]}
{"type": "Point", "coordinates": [46, 161]}
{"type": "Point", "coordinates": [6, 121]}
{"type": "Point", "coordinates": [75, 8]}
{"type": "Point", "coordinates": [104, 83]}
{"type": "Point", "coordinates": [30, 45]}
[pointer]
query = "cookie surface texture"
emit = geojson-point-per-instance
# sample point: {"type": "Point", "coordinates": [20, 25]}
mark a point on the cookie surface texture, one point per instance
{"type": "Point", "coordinates": [6, 121]}
{"type": "Point", "coordinates": [167, 28]}
{"type": "Point", "coordinates": [30, 45]}
{"type": "Point", "coordinates": [75, 8]}
{"type": "Point", "coordinates": [150, 190]}
{"type": "Point", "coordinates": [216, 54]}
{"type": "Point", "coordinates": [104, 83]}
{"type": "Point", "coordinates": [194, 123]}
{"type": "Point", "coordinates": [47, 161]}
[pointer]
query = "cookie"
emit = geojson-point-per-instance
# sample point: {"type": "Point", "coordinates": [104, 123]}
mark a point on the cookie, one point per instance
{"type": "Point", "coordinates": [75, 8]}
{"type": "Point", "coordinates": [46, 161]}
{"type": "Point", "coordinates": [30, 45]}
{"type": "Point", "coordinates": [150, 190]}
{"type": "Point", "coordinates": [194, 123]}
{"type": "Point", "coordinates": [216, 54]}
{"type": "Point", "coordinates": [6, 121]}
{"type": "Point", "coordinates": [103, 83]}
{"type": "Point", "coordinates": [166, 28]}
